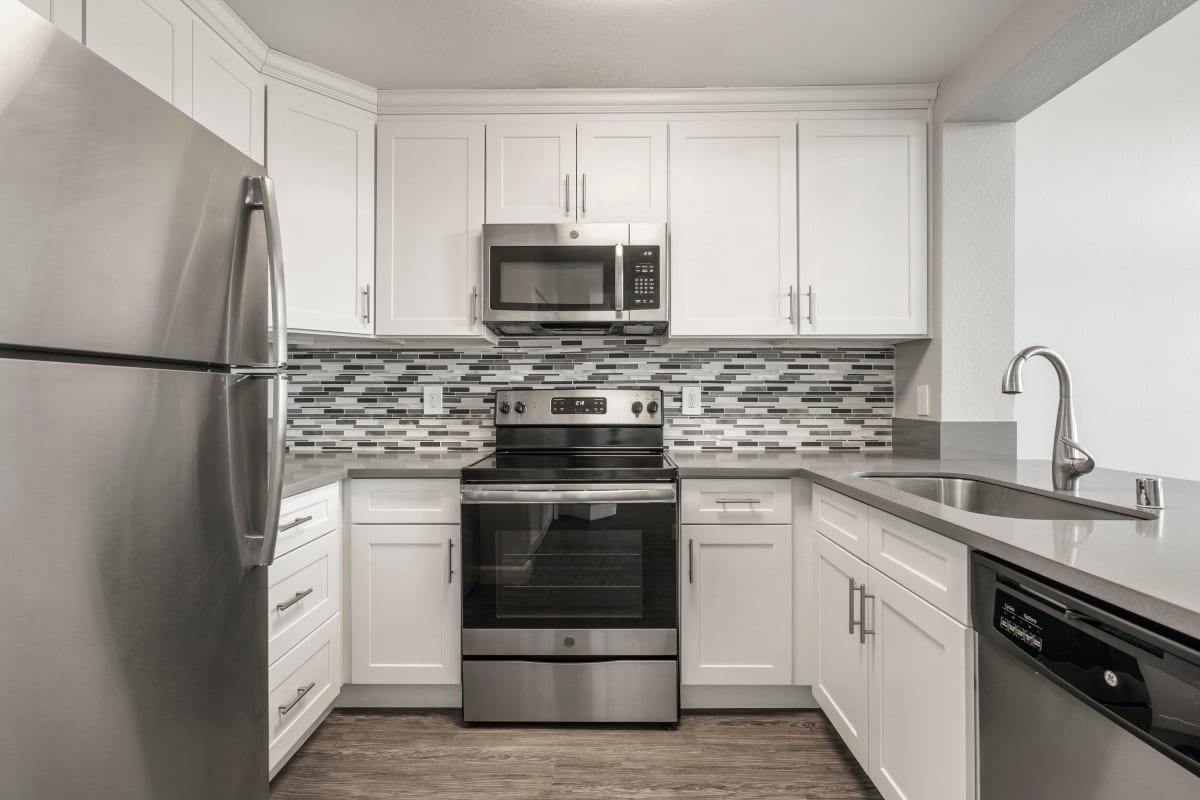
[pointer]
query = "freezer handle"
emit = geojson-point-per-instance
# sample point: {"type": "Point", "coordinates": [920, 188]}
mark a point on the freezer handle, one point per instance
{"type": "Point", "coordinates": [260, 196]}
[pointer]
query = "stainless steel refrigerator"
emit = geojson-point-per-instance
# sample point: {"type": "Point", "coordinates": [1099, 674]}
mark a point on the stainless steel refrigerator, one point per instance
{"type": "Point", "coordinates": [141, 403]}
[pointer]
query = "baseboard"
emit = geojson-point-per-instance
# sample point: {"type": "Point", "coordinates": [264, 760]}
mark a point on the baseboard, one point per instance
{"type": "Point", "coordinates": [760, 697]}
{"type": "Point", "coordinates": [408, 696]}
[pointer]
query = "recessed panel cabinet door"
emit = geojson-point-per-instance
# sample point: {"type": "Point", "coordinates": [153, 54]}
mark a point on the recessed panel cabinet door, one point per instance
{"type": "Point", "coordinates": [149, 40]}
{"type": "Point", "coordinates": [863, 227]}
{"type": "Point", "coordinates": [430, 223]}
{"type": "Point", "coordinates": [405, 601]}
{"type": "Point", "coordinates": [321, 154]}
{"type": "Point", "coordinates": [733, 228]}
{"type": "Point", "coordinates": [531, 170]}
{"type": "Point", "coordinates": [622, 171]}
{"type": "Point", "coordinates": [842, 662]}
{"type": "Point", "coordinates": [921, 728]}
{"type": "Point", "coordinates": [228, 93]}
{"type": "Point", "coordinates": [736, 618]}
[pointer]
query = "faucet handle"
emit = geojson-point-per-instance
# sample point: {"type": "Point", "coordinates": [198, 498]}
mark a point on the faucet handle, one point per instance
{"type": "Point", "coordinates": [1084, 465]}
{"type": "Point", "coordinates": [1149, 492]}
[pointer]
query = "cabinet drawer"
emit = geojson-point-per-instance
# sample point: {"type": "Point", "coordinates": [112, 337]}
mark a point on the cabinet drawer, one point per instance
{"type": "Point", "coordinates": [741, 502]}
{"type": "Point", "coordinates": [301, 687]}
{"type": "Point", "coordinates": [304, 589]}
{"type": "Point", "coordinates": [841, 519]}
{"type": "Point", "coordinates": [388, 501]}
{"type": "Point", "coordinates": [304, 517]}
{"type": "Point", "coordinates": [926, 563]}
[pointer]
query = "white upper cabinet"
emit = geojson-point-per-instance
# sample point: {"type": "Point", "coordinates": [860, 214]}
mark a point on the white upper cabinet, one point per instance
{"type": "Point", "coordinates": [149, 40]}
{"type": "Point", "coordinates": [66, 14]}
{"type": "Point", "coordinates": [733, 228]}
{"type": "Point", "coordinates": [531, 170]}
{"type": "Point", "coordinates": [430, 222]}
{"type": "Point", "coordinates": [622, 171]}
{"type": "Point", "coordinates": [228, 93]}
{"type": "Point", "coordinates": [863, 227]}
{"type": "Point", "coordinates": [321, 153]}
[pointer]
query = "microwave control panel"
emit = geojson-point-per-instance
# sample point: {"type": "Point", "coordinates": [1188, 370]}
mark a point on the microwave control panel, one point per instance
{"type": "Point", "coordinates": [643, 279]}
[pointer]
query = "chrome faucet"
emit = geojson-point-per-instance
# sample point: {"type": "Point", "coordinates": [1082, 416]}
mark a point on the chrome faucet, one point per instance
{"type": "Point", "coordinates": [1069, 460]}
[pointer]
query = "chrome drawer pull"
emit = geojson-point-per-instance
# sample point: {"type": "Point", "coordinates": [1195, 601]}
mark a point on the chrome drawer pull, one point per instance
{"type": "Point", "coordinates": [294, 523]}
{"type": "Point", "coordinates": [285, 710]}
{"type": "Point", "coordinates": [863, 630]}
{"type": "Point", "coordinates": [691, 570]}
{"type": "Point", "coordinates": [747, 500]}
{"type": "Point", "coordinates": [296, 598]}
{"type": "Point", "coordinates": [853, 589]}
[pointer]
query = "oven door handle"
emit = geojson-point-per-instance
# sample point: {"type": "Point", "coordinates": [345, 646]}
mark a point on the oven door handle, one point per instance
{"type": "Point", "coordinates": [632, 494]}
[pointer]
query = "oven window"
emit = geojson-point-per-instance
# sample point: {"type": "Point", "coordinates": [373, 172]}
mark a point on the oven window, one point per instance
{"type": "Point", "coordinates": [553, 278]}
{"type": "Point", "coordinates": [565, 565]}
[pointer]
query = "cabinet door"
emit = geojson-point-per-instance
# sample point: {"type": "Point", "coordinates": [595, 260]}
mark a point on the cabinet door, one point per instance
{"type": "Point", "coordinates": [149, 40]}
{"type": "Point", "coordinates": [531, 170]}
{"type": "Point", "coordinates": [405, 604]}
{"type": "Point", "coordinates": [66, 14]}
{"type": "Point", "coordinates": [322, 155]}
{"type": "Point", "coordinates": [736, 618]}
{"type": "Point", "coordinates": [921, 728]}
{"type": "Point", "coordinates": [733, 228]}
{"type": "Point", "coordinates": [842, 659]}
{"type": "Point", "coordinates": [622, 171]}
{"type": "Point", "coordinates": [228, 93]}
{"type": "Point", "coordinates": [863, 227]}
{"type": "Point", "coordinates": [430, 223]}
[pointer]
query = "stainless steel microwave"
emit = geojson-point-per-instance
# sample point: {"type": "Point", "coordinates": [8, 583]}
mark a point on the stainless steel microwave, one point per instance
{"type": "Point", "coordinates": [595, 278]}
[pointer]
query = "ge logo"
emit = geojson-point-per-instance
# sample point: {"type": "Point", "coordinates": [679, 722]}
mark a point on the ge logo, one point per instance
{"type": "Point", "coordinates": [1110, 678]}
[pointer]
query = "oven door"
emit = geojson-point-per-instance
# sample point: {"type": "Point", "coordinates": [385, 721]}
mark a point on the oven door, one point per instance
{"type": "Point", "coordinates": [569, 570]}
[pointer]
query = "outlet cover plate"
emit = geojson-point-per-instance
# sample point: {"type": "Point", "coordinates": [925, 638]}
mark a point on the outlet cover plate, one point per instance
{"type": "Point", "coordinates": [693, 405]}
{"type": "Point", "coordinates": [433, 401]}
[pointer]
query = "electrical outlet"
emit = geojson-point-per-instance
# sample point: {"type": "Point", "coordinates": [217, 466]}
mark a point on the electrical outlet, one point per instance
{"type": "Point", "coordinates": [693, 406]}
{"type": "Point", "coordinates": [923, 400]}
{"type": "Point", "coordinates": [433, 401]}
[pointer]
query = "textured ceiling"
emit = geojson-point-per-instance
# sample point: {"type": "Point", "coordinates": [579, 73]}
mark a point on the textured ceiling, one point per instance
{"type": "Point", "coordinates": [532, 44]}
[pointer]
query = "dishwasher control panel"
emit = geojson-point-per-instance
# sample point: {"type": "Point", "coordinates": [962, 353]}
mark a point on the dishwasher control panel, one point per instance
{"type": "Point", "coordinates": [1019, 622]}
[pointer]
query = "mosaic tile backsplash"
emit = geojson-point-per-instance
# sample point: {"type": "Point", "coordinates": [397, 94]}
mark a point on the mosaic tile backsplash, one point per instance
{"type": "Point", "coordinates": [778, 398]}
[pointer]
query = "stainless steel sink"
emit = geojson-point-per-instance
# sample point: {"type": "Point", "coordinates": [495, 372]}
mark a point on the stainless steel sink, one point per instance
{"type": "Point", "coordinates": [998, 499]}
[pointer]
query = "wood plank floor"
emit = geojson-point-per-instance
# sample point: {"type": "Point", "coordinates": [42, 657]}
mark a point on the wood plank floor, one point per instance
{"type": "Point", "coordinates": [368, 755]}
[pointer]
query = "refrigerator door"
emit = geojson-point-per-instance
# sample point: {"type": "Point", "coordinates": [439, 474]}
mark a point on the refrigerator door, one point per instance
{"type": "Point", "coordinates": [134, 635]}
{"type": "Point", "coordinates": [124, 225]}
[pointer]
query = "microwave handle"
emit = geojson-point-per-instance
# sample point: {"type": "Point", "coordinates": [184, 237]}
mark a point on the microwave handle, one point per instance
{"type": "Point", "coordinates": [619, 268]}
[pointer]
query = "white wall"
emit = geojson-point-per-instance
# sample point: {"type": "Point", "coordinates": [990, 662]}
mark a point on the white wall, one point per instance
{"type": "Point", "coordinates": [1108, 255]}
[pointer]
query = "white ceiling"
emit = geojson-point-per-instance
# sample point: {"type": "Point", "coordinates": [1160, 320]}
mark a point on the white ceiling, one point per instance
{"type": "Point", "coordinates": [533, 44]}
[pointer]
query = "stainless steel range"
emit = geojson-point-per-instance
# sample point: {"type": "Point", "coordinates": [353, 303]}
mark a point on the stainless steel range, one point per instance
{"type": "Point", "coordinates": [570, 602]}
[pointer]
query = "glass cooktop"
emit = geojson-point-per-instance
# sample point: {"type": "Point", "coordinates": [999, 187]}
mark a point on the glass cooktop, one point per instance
{"type": "Point", "coordinates": [569, 466]}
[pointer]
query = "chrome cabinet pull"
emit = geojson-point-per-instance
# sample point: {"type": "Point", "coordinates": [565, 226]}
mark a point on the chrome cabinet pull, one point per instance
{"type": "Point", "coordinates": [285, 710]}
{"type": "Point", "coordinates": [567, 182]}
{"type": "Point", "coordinates": [863, 630]}
{"type": "Point", "coordinates": [812, 304]}
{"type": "Point", "coordinates": [792, 304]}
{"type": "Point", "coordinates": [296, 598]}
{"type": "Point", "coordinates": [294, 523]}
{"type": "Point", "coordinates": [366, 293]}
{"type": "Point", "coordinates": [450, 560]}
{"type": "Point", "coordinates": [583, 194]}
{"type": "Point", "coordinates": [747, 500]}
{"type": "Point", "coordinates": [691, 570]}
{"type": "Point", "coordinates": [853, 589]}
{"type": "Point", "coordinates": [474, 304]}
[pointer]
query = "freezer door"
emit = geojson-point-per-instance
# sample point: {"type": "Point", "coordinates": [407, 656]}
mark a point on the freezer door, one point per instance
{"type": "Point", "coordinates": [133, 661]}
{"type": "Point", "coordinates": [124, 227]}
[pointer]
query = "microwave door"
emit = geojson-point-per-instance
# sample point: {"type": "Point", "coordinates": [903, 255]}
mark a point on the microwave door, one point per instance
{"type": "Point", "coordinates": [557, 283]}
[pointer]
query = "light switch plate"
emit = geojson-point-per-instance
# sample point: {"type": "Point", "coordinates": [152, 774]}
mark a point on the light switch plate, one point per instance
{"type": "Point", "coordinates": [433, 401]}
{"type": "Point", "coordinates": [693, 406]}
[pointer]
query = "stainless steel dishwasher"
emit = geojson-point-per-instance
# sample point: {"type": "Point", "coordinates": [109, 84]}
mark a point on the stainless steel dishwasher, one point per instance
{"type": "Point", "coordinates": [1078, 700]}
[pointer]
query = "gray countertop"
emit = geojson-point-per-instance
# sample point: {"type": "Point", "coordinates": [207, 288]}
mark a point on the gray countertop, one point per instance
{"type": "Point", "coordinates": [1151, 568]}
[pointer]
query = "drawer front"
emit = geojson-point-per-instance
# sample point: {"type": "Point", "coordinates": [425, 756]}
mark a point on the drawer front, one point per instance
{"type": "Point", "coordinates": [738, 502]}
{"type": "Point", "coordinates": [389, 501]}
{"type": "Point", "coordinates": [926, 563]}
{"type": "Point", "coordinates": [841, 519]}
{"type": "Point", "coordinates": [302, 686]}
{"type": "Point", "coordinates": [304, 517]}
{"type": "Point", "coordinates": [304, 590]}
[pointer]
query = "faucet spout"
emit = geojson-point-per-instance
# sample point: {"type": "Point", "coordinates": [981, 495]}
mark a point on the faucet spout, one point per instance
{"type": "Point", "coordinates": [1069, 460]}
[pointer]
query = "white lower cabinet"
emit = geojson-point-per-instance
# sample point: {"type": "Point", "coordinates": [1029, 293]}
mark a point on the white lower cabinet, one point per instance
{"type": "Point", "coordinates": [405, 602]}
{"type": "Point", "coordinates": [301, 688]}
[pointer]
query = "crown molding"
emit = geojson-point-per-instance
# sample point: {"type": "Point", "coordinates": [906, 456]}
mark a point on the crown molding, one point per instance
{"type": "Point", "coordinates": [232, 28]}
{"type": "Point", "coordinates": [310, 76]}
{"type": "Point", "coordinates": [710, 100]}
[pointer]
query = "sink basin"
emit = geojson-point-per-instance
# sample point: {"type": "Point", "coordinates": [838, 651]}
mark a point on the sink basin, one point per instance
{"type": "Point", "coordinates": [997, 499]}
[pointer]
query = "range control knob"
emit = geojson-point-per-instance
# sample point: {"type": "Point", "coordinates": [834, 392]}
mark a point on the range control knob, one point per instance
{"type": "Point", "coordinates": [520, 407]}
{"type": "Point", "coordinates": [652, 407]}
{"type": "Point", "coordinates": [505, 407]}
{"type": "Point", "coordinates": [637, 406]}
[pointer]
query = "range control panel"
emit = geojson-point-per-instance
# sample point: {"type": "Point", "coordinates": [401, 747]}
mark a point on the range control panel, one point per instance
{"type": "Point", "coordinates": [643, 273]}
{"type": "Point", "coordinates": [593, 406]}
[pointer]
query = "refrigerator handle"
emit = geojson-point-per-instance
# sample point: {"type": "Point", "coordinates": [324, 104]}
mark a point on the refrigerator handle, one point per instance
{"type": "Point", "coordinates": [260, 196]}
{"type": "Point", "coordinates": [266, 556]}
